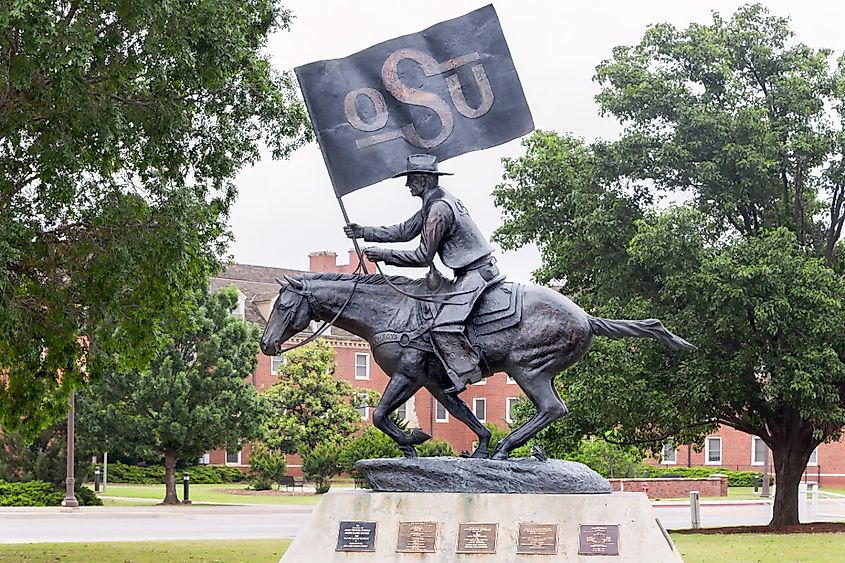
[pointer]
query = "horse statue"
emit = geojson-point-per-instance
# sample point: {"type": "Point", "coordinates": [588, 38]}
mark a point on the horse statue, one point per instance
{"type": "Point", "coordinates": [531, 333]}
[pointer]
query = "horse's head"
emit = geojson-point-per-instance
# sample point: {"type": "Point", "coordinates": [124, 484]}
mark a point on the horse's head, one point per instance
{"type": "Point", "coordinates": [290, 315]}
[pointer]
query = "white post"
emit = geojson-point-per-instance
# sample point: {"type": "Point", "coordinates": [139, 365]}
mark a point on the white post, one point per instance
{"type": "Point", "coordinates": [621, 485]}
{"type": "Point", "coordinates": [802, 502]}
{"type": "Point", "coordinates": [105, 470]}
{"type": "Point", "coordinates": [814, 513]}
{"type": "Point", "coordinates": [695, 509]}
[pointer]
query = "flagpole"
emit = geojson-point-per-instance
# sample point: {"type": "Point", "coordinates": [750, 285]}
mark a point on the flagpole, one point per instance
{"type": "Point", "coordinates": [354, 240]}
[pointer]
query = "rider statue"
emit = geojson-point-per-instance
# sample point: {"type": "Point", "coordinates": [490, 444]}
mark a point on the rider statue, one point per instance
{"type": "Point", "coordinates": [445, 228]}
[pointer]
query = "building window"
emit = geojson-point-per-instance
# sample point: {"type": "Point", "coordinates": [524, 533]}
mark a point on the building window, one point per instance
{"type": "Point", "coordinates": [509, 403]}
{"type": "Point", "coordinates": [510, 380]}
{"type": "Point", "coordinates": [758, 451]}
{"type": "Point", "coordinates": [204, 459]}
{"type": "Point", "coordinates": [402, 412]}
{"type": "Point", "coordinates": [713, 451]}
{"type": "Point", "coordinates": [440, 413]}
{"type": "Point", "coordinates": [479, 408]}
{"type": "Point", "coordinates": [363, 405]}
{"type": "Point", "coordinates": [669, 455]}
{"type": "Point", "coordinates": [362, 366]}
{"type": "Point", "coordinates": [276, 363]}
{"type": "Point", "coordinates": [233, 457]}
{"type": "Point", "coordinates": [814, 457]}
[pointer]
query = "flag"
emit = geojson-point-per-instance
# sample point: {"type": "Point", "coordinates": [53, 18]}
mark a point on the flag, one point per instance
{"type": "Point", "coordinates": [445, 91]}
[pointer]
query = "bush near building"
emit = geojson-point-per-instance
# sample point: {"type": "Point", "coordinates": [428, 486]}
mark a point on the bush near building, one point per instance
{"type": "Point", "coordinates": [735, 478]}
{"type": "Point", "coordinates": [155, 474]}
{"type": "Point", "coordinates": [41, 493]}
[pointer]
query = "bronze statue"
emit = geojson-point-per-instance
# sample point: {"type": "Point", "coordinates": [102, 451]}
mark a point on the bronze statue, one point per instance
{"type": "Point", "coordinates": [530, 333]}
{"type": "Point", "coordinates": [446, 229]}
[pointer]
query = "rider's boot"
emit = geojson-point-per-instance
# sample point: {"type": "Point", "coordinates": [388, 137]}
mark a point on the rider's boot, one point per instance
{"type": "Point", "coordinates": [460, 359]}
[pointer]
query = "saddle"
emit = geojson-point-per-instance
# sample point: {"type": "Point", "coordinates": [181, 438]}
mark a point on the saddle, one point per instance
{"type": "Point", "coordinates": [498, 308]}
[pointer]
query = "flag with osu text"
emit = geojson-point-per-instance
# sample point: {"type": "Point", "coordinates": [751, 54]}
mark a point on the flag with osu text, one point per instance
{"type": "Point", "coordinates": [447, 90]}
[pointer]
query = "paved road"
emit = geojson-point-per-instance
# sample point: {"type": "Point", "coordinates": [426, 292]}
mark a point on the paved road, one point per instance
{"type": "Point", "coordinates": [106, 523]}
{"type": "Point", "coordinates": [29, 525]}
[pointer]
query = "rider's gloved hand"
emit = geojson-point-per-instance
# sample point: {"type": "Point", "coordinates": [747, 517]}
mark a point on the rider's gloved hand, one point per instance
{"type": "Point", "coordinates": [354, 230]}
{"type": "Point", "coordinates": [375, 254]}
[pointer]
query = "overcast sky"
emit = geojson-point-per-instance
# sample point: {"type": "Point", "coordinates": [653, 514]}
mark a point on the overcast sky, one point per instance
{"type": "Point", "coordinates": [287, 209]}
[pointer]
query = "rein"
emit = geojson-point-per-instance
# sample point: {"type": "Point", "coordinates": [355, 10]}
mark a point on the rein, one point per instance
{"type": "Point", "coordinates": [441, 298]}
{"type": "Point", "coordinates": [326, 324]}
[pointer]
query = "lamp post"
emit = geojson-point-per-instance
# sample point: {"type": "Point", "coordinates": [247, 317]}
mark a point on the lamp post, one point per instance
{"type": "Point", "coordinates": [70, 499]}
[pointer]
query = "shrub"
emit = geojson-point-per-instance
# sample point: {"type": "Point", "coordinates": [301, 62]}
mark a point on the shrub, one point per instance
{"type": "Point", "coordinates": [735, 478]}
{"type": "Point", "coordinates": [371, 444]}
{"type": "Point", "coordinates": [30, 493]}
{"type": "Point", "coordinates": [154, 474]}
{"type": "Point", "coordinates": [320, 465]}
{"type": "Point", "coordinates": [435, 448]}
{"type": "Point", "coordinates": [86, 497]}
{"type": "Point", "coordinates": [266, 466]}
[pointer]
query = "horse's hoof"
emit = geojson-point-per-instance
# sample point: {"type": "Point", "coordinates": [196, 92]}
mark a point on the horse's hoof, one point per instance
{"type": "Point", "coordinates": [418, 436]}
{"type": "Point", "coordinates": [479, 454]}
{"type": "Point", "coordinates": [499, 456]}
{"type": "Point", "coordinates": [408, 451]}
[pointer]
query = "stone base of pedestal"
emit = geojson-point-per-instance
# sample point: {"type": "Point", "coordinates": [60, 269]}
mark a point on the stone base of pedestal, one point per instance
{"type": "Point", "coordinates": [447, 527]}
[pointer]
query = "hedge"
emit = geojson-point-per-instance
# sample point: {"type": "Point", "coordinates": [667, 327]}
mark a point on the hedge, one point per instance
{"type": "Point", "coordinates": [735, 478]}
{"type": "Point", "coordinates": [41, 493]}
{"type": "Point", "coordinates": [155, 474]}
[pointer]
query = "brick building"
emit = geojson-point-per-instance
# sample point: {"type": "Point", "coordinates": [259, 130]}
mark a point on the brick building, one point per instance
{"type": "Point", "coordinates": [490, 399]}
{"type": "Point", "coordinates": [731, 449]}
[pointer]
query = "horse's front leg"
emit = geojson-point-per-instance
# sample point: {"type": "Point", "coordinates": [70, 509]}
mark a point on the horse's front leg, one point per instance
{"type": "Point", "coordinates": [400, 388]}
{"type": "Point", "coordinates": [460, 410]}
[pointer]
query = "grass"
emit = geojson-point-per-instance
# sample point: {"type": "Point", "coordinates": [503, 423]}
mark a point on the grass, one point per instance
{"type": "Point", "coordinates": [761, 548]}
{"type": "Point", "coordinates": [149, 552]}
{"type": "Point", "coordinates": [199, 493]}
{"type": "Point", "coordinates": [740, 548]}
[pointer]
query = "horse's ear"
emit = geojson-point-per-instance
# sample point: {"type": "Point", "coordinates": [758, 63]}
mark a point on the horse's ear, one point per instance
{"type": "Point", "coordinates": [295, 283]}
{"type": "Point", "coordinates": [280, 282]}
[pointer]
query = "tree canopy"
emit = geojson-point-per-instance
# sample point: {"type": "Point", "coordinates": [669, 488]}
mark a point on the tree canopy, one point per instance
{"type": "Point", "coordinates": [193, 398]}
{"type": "Point", "coordinates": [122, 125]}
{"type": "Point", "coordinates": [719, 210]}
{"type": "Point", "coordinates": [308, 405]}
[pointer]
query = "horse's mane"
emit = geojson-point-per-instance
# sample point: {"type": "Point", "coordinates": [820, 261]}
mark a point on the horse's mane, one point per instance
{"type": "Point", "coordinates": [368, 279]}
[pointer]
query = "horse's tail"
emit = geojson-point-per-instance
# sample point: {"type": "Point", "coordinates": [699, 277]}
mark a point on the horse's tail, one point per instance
{"type": "Point", "coordinates": [648, 328]}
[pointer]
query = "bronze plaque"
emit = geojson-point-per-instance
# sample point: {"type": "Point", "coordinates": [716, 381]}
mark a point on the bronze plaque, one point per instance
{"type": "Point", "coordinates": [356, 536]}
{"type": "Point", "coordinates": [540, 539]}
{"type": "Point", "coordinates": [599, 540]}
{"type": "Point", "coordinates": [417, 537]}
{"type": "Point", "coordinates": [476, 538]}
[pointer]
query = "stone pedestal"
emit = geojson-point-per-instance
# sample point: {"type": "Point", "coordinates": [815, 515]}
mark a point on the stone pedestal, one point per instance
{"type": "Point", "coordinates": [482, 527]}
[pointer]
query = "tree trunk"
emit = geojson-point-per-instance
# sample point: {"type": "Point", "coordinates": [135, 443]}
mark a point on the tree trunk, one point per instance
{"type": "Point", "coordinates": [170, 478]}
{"type": "Point", "coordinates": [790, 461]}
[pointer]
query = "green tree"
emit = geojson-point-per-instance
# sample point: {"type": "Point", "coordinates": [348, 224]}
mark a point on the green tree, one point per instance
{"type": "Point", "coordinates": [308, 405]}
{"type": "Point", "coordinates": [267, 466]}
{"type": "Point", "coordinates": [744, 125]}
{"type": "Point", "coordinates": [122, 125]}
{"type": "Point", "coordinates": [191, 399]}
{"type": "Point", "coordinates": [320, 464]}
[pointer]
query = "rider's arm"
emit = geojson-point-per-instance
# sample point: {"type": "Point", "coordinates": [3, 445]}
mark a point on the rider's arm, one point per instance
{"type": "Point", "coordinates": [403, 232]}
{"type": "Point", "coordinates": [437, 223]}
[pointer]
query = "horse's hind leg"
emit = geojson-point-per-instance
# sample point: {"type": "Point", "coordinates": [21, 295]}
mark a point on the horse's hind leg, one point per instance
{"type": "Point", "coordinates": [399, 389]}
{"type": "Point", "coordinates": [540, 389]}
{"type": "Point", "coordinates": [459, 409]}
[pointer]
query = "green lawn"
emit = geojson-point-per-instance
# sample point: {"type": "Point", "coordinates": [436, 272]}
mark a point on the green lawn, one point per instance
{"type": "Point", "coordinates": [228, 551]}
{"type": "Point", "coordinates": [741, 548]}
{"type": "Point", "coordinates": [199, 493]}
{"type": "Point", "coordinates": [761, 548]}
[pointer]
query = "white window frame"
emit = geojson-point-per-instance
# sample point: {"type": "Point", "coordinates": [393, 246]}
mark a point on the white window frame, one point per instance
{"type": "Point", "coordinates": [405, 406]}
{"type": "Point", "coordinates": [666, 461]}
{"type": "Point", "coordinates": [240, 451]}
{"type": "Point", "coordinates": [366, 366]}
{"type": "Point", "coordinates": [508, 400]}
{"type": "Point", "coordinates": [437, 407]}
{"type": "Point", "coordinates": [754, 440]}
{"type": "Point", "coordinates": [475, 408]}
{"type": "Point", "coordinates": [510, 380]}
{"type": "Point", "coordinates": [814, 462]}
{"type": "Point", "coordinates": [707, 441]}
{"type": "Point", "coordinates": [275, 361]}
{"type": "Point", "coordinates": [204, 459]}
{"type": "Point", "coordinates": [365, 414]}
{"type": "Point", "coordinates": [482, 382]}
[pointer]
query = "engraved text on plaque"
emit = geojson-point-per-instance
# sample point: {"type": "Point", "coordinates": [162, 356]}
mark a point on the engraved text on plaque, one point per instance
{"type": "Point", "coordinates": [356, 536]}
{"type": "Point", "coordinates": [417, 537]}
{"type": "Point", "coordinates": [537, 538]}
{"type": "Point", "coordinates": [476, 538]}
{"type": "Point", "coordinates": [599, 540]}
